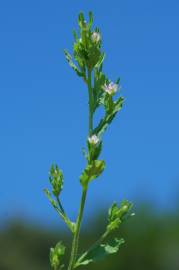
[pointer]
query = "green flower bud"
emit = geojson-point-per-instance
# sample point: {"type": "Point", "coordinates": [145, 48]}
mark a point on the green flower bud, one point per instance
{"type": "Point", "coordinates": [56, 180]}
{"type": "Point", "coordinates": [55, 255]}
{"type": "Point", "coordinates": [95, 37]}
{"type": "Point", "coordinates": [116, 214]}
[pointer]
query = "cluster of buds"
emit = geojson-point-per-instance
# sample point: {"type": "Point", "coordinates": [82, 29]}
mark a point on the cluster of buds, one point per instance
{"type": "Point", "coordinates": [55, 255]}
{"type": "Point", "coordinates": [56, 180]}
{"type": "Point", "coordinates": [117, 213]}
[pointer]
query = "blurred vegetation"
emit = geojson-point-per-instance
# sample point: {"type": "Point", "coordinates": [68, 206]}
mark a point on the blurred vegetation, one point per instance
{"type": "Point", "coordinates": [152, 243]}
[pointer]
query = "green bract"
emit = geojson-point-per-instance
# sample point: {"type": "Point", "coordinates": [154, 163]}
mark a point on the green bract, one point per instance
{"type": "Point", "coordinates": [87, 61]}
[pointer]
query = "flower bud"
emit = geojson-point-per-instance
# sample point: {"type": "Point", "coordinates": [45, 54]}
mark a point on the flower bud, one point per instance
{"type": "Point", "coordinates": [96, 37]}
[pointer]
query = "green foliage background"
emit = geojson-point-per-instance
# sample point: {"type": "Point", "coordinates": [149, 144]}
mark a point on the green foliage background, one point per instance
{"type": "Point", "coordinates": [152, 243]}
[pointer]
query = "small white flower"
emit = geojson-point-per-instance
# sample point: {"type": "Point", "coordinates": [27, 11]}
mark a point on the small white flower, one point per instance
{"type": "Point", "coordinates": [93, 139]}
{"type": "Point", "coordinates": [96, 37]}
{"type": "Point", "coordinates": [110, 88]}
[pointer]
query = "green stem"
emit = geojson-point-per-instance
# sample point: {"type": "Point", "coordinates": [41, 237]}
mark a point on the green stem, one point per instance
{"type": "Point", "coordinates": [74, 250]}
{"type": "Point", "coordinates": [90, 94]}
{"type": "Point", "coordinates": [60, 205]}
{"type": "Point", "coordinates": [77, 231]}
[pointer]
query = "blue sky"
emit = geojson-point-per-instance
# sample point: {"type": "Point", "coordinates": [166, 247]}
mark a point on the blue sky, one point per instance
{"type": "Point", "coordinates": [43, 105]}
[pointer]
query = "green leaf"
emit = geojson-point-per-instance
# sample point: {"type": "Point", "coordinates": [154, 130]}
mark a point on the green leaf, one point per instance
{"type": "Point", "coordinates": [92, 171]}
{"type": "Point", "coordinates": [100, 61]}
{"type": "Point", "coordinates": [81, 20]}
{"type": "Point", "coordinates": [90, 19]}
{"type": "Point", "coordinates": [72, 65]}
{"type": "Point", "coordinates": [94, 151]}
{"type": "Point", "coordinates": [108, 103]}
{"type": "Point", "coordinates": [99, 80]}
{"type": "Point", "coordinates": [100, 252]}
{"type": "Point", "coordinates": [109, 116]}
{"type": "Point", "coordinates": [55, 255]}
{"type": "Point", "coordinates": [118, 105]}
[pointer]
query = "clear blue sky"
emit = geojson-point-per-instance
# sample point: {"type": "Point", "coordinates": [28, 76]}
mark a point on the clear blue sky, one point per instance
{"type": "Point", "coordinates": [43, 105]}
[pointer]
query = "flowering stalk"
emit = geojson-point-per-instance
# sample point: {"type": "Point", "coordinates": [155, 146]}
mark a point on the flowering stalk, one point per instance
{"type": "Point", "coordinates": [101, 91]}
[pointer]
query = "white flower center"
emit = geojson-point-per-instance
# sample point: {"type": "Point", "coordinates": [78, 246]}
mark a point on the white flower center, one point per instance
{"type": "Point", "coordinates": [93, 139]}
{"type": "Point", "coordinates": [110, 88]}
